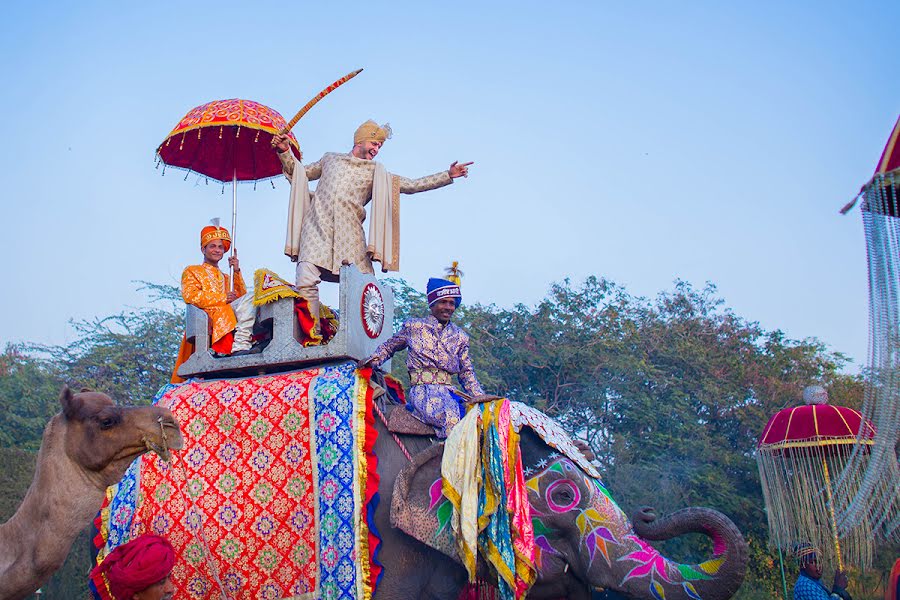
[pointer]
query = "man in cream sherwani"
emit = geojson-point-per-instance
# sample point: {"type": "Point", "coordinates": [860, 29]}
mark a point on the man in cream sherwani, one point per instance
{"type": "Point", "coordinates": [325, 228]}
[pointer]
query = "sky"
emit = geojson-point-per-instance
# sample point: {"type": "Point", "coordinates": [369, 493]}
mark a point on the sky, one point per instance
{"type": "Point", "coordinates": [640, 141]}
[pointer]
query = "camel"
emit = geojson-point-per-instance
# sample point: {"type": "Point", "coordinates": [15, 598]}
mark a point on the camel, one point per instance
{"type": "Point", "coordinates": [85, 449]}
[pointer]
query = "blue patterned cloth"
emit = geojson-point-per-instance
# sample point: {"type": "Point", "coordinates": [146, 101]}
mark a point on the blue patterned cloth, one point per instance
{"type": "Point", "coordinates": [433, 346]}
{"type": "Point", "coordinates": [808, 588]}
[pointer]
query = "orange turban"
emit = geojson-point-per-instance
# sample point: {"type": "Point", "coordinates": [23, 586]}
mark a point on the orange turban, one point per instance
{"type": "Point", "coordinates": [133, 567]}
{"type": "Point", "coordinates": [214, 232]}
{"type": "Point", "coordinates": [371, 132]}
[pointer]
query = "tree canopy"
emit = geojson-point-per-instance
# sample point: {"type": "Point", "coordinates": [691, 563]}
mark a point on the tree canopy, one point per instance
{"type": "Point", "coordinates": [671, 392]}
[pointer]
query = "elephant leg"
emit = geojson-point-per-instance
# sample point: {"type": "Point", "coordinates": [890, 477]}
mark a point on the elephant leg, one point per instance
{"type": "Point", "coordinates": [569, 588]}
{"type": "Point", "coordinates": [417, 571]}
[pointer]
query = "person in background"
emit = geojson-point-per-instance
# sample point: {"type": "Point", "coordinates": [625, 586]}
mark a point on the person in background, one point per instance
{"type": "Point", "coordinates": [809, 586]}
{"type": "Point", "coordinates": [139, 570]}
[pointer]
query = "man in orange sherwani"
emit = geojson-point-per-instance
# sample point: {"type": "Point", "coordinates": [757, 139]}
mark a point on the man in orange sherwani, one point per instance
{"type": "Point", "coordinates": [207, 287]}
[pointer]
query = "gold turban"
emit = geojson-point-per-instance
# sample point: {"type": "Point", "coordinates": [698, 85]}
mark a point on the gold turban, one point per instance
{"type": "Point", "coordinates": [370, 131]}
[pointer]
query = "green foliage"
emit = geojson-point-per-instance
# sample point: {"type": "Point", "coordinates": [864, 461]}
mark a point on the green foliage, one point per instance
{"type": "Point", "coordinates": [129, 355]}
{"type": "Point", "coordinates": [763, 580]}
{"type": "Point", "coordinates": [671, 393]}
{"type": "Point", "coordinates": [70, 581]}
{"type": "Point", "coordinates": [15, 477]}
{"type": "Point", "coordinates": [29, 392]}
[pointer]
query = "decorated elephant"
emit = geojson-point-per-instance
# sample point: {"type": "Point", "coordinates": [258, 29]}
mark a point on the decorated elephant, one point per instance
{"type": "Point", "coordinates": [584, 540]}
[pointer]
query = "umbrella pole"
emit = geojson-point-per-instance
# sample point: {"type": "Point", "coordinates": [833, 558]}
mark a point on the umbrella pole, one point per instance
{"type": "Point", "coordinates": [837, 543]}
{"type": "Point", "coordinates": [233, 223]}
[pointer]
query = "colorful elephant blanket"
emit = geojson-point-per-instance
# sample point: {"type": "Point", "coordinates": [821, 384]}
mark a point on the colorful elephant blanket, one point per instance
{"type": "Point", "coordinates": [273, 494]}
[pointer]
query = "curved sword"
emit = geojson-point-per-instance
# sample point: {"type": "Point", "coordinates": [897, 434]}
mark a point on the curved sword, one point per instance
{"type": "Point", "coordinates": [318, 97]}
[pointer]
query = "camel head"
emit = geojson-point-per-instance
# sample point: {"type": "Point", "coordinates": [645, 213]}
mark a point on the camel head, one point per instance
{"type": "Point", "coordinates": [103, 438]}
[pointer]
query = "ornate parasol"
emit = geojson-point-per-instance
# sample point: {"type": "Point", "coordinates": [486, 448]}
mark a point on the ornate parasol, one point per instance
{"type": "Point", "coordinates": [801, 449]}
{"type": "Point", "coordinates": [227, 140]}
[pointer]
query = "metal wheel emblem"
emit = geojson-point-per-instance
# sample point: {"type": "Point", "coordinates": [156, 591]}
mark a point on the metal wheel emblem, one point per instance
{"type": "Point", "coordinates": [372, 310]}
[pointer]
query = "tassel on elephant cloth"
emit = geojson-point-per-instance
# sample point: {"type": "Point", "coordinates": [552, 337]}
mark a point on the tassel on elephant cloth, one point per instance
{"type": "Point", "coordinates": [485, 483]}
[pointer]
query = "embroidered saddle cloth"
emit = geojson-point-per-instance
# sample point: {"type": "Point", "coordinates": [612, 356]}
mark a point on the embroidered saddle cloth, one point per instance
{"type": "Point", "coordinates": [271, 495]}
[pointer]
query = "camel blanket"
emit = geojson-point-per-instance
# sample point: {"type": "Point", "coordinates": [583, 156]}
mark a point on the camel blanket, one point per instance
{"type": "Point", "coordinates": [271, 496]}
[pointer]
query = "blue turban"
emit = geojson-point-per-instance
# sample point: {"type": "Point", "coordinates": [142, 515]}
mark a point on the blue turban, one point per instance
{"type": "Point", "coordinates": [438, 289]}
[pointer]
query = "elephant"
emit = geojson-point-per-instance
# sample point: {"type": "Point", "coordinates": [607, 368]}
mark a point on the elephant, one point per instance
{"type": "Point", "coordinates": [584, 540]}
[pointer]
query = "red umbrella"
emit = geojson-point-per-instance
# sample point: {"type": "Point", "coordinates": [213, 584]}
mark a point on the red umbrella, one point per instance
{"type": "Point", "coordinates": [797, 453]}
{"type": "Point", "coordinates": [227, 140]}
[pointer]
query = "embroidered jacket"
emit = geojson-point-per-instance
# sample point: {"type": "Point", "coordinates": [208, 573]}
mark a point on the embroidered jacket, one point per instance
{"type": "Point", "coordinates": [332, 230]}
{"type": "Point", "coordinates": [205, 286]}
{"type": "Point", "coordinates": [433, 346]}
{"type": "Point", "coordinates": [435, 353]}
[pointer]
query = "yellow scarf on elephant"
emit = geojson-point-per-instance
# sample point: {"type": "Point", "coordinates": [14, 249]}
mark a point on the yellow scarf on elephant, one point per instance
{"type": "Point", "coordinates": [481, 455]}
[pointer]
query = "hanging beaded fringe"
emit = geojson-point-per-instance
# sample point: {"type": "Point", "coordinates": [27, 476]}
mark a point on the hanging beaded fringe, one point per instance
{"type": "Point", "coordinates": [868, 490]}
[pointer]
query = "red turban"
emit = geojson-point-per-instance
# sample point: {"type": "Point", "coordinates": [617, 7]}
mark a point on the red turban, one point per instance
{"type": "Point", "coordinates": [133, 567]}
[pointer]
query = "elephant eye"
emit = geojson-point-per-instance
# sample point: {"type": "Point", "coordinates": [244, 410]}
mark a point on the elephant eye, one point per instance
{"type": "Point", "coordinates": [562, 495]}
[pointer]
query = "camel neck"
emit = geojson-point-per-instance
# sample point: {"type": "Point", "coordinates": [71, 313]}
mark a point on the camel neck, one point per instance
{"type": "Point", "coordinates": [61, 498]}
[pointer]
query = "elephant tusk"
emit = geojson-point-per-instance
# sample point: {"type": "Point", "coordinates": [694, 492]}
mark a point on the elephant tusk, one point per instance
{"type": "Point", "coordinates": [566, 568]}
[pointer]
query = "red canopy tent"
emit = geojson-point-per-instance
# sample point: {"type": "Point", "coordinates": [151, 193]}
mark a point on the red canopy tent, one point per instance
{"type": "Point", "coordinates": [882, 191]}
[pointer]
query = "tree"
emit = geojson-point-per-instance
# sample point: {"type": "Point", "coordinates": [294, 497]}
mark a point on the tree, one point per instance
{"type": "Point", "coordinates": [130, 355]}
{"type": "Point", "coordinates": [29, 392]}
{"type": "Point", "coordinates": [671, 393]}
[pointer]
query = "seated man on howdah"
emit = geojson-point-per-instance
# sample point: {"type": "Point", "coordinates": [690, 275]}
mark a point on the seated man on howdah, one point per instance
{"type": "Point", "coordinates": [438, 349]}
{"type": "Point", "coordinates": [231, 313]}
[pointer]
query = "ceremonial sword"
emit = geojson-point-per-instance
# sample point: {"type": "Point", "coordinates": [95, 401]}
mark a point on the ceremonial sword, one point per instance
{"type": "Point", "coordinates": [316, 99]}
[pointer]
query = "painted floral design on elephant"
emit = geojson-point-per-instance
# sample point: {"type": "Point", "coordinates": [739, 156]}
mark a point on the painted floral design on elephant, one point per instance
{"type": "Point", "coordinates": [561, 488]}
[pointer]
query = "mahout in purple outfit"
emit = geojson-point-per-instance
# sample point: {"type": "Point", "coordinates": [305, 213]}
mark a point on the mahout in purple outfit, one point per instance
{"type": "Point", "coordinates": [438, 349]}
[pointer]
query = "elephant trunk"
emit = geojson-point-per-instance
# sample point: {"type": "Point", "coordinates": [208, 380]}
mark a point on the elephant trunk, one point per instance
{"type": "Point", "coordinates": [718, 577]}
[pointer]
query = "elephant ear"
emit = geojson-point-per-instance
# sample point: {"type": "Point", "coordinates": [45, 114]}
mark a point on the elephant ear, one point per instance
{"type": "Point", "coordinates": [418, 508]}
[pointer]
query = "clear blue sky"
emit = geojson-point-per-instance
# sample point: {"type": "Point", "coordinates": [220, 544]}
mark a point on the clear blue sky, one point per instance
{"type": "Point", "coordinates": [640, 141]}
